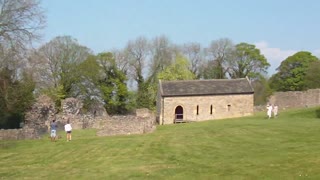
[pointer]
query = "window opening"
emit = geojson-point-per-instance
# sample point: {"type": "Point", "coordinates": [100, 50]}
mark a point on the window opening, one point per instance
{"type": "Point", "coordinates": [229, 107]}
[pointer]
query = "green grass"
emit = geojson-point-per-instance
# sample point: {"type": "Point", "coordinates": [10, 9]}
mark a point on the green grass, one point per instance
{"type": "Point", "coordinates": [244, 148]}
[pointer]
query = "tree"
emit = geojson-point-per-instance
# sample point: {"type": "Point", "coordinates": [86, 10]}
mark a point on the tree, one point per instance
{"type": "Point", "coordinates": [121, 58]}
{"type": "Point", "coordinates": [312, 79]}
{"type": "Point", "coordinates": [247, 61]}
{"type": "Point", "coordinates": [20, 21]}
{"type": "Point", "coordinates": [15, 97]}
{"type": "Point", "coordinates": [193, 52]}
{"type": "Point", "coordinates": [262, 90]}
{"type": "Point", "coordinates": [20, 24]}
{"type": "Point", "coordinates": [113, 85]}
{"type": "Point", "coordinates": [137, 52]}
{"type": "Point", "coordinates": [56, 63]}
{"type": "Point", "coordinates": [220, 52]}
{"type": "Point", "coordinates": [162, 55]}
{"type": "Point", "coordinates": [87, 87]}
{"type": "Point", "coordinates": [177, 71]}
{"type": "Point", "coordinates": [292, 72]}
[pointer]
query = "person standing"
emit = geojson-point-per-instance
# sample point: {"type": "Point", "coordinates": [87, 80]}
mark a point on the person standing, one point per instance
{"type": "Point", "coordinates": [53, 130]}
{"type": "Point", "coordinates": [275, 111]}
{"type": "Point", "coordinates": [68, 130]}
{"type": "Point", "coordinates": [269, 111]}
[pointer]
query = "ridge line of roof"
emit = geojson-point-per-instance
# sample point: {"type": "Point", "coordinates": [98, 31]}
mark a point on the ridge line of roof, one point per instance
{"type": "Point", "coordinates": [204, 80]}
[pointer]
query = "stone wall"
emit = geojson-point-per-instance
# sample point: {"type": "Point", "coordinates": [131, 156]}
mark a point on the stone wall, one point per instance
{"type": "Point", "coordinates": [41, 111]}
{"type": "Point", "coordinates": [41, 114]}
{"type": "Point", "coordinates": [223, 106]}
{"type": "Point", "coordinates": [19, 134]}
{"type": "Point", "coordinates": [126, 125]}
{"type": "Point", "coordinates": [296, 99]}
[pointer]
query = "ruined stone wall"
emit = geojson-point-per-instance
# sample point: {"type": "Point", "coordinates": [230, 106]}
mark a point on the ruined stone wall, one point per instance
{"type": "Point", "coordinates": [41, 114]}
{"type": "Point", "coordinates": [296, 99]}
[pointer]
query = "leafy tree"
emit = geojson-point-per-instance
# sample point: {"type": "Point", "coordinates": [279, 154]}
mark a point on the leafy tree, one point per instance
{"type": "Point", "coordinates": [247, 61]}
{"type": "Point", "coordinates": [56, 63]}
{"type": "Point", "coordinates": [113, 85]}
{"type": "Point", "coordinates": [177, 71]}
{"type": "Point", "coordinates": [20, 25]}
{"type": "Point", "coordinates": [312, 79]}
{"type": "Point", "coordinates": [146, 96]}
{"type": "Point", "coordinates": [162, 55]}
{"type": "Point", "coordinates": [262, 90]}
{"type": "Point", "coordinates": [55, 93]}
{"type": "Point", "coordinates": [291, 75]}
{"type": "Point", "coordinates": [16, 95]}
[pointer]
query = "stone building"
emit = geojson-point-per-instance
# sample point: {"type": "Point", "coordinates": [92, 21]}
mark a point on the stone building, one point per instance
{"type": "Point", "coordinates": [199, 100]}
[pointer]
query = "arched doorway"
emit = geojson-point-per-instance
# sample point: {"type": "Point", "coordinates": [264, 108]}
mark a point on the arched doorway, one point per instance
{"type": "Point", "coordinates": [178, 113]}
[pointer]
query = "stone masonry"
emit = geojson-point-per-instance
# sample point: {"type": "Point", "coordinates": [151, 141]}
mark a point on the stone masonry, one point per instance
{"type": "Point", "coordinates": [223, 106]}
{"type": "Point", "coordinates": [296, 99]}
{"type": "Point", "coordinates": [41, 114]}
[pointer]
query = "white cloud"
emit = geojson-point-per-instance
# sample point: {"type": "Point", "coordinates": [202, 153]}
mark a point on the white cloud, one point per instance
{"type": "Point", "coordinates": [274, 55]}
{"type": "Point", "coordinates": [317, 53]}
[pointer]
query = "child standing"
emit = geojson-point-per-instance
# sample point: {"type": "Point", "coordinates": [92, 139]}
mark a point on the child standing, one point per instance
{"type": "Point", "coordinates": [68, 130]}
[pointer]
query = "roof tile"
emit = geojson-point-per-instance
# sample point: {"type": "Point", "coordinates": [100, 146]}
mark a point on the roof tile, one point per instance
{"type": "Point", "coordinates": [206, 87]}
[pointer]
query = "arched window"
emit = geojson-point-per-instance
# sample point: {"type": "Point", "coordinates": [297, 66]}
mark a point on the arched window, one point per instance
{"type": "Point", "coordinates": [229, 107]}
{"type": "Point", "coordinates": [197, 109]}
{"type": "Point", "coordinates": [211, 109]}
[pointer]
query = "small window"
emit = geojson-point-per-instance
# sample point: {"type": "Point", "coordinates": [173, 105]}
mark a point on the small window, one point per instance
{"type": "Point", "coordinates": [197, 109]}
{"type": "Point", "coordinates": [229, 107]}
{"type": "Point", "coordinates": [211, 109]}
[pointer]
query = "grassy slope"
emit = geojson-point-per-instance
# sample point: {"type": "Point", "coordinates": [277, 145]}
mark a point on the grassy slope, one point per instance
{"type": "Point", "coordinates": [244, 148]}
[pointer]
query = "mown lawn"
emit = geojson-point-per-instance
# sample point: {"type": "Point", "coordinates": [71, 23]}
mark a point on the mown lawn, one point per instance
{"type": "Point", "coordinates": [244, 148]}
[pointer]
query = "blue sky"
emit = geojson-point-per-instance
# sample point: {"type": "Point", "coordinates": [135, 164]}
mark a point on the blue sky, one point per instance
{"type": "Point", "coordinates": [279, 28]}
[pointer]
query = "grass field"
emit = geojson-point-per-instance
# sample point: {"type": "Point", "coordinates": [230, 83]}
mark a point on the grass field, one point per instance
{"type": "Point", "coordinates": [244, 148]}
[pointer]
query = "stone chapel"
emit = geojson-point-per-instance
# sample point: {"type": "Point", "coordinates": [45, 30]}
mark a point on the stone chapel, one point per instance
{"type": "Point", "coordinates": [200, 100]}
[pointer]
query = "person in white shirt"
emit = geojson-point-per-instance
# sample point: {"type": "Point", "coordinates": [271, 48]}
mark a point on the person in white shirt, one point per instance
{"type": "Point", "coordinates": [68, 130]}
{"type": "Point", "coordinates": [275, 111]}
{"type": "Point", "coordinates": [269, 111]}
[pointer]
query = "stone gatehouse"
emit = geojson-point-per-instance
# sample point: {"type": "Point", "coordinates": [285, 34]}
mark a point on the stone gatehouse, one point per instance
{"type": "Point", "coordinates": [199, 100]}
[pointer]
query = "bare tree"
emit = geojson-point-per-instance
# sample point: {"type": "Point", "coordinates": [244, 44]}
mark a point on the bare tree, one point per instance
{"type": "Point", "coordinates": [54, 63]}
{"type": "Point", "coordinates": [137, 53]}
{"type": "Point", "coordinates": [193, 52]}
{"type": "Point", "coordinates": [162, 55]}
{"type": "Point", "coordinates": [219, 52]}
{"type": "Point", "coordinates": [20, 24]}
{"type": "Point", "coordinates": [121, 58]}
{"type": "Point", "coordinates": [20, 21]}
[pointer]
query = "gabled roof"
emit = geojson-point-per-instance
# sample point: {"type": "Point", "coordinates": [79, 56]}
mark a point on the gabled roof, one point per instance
{"type": "Point", "coordinates": [205, 87]}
